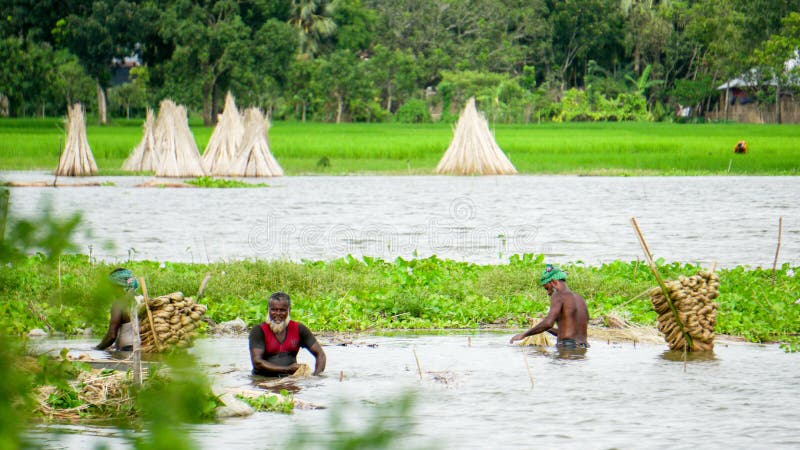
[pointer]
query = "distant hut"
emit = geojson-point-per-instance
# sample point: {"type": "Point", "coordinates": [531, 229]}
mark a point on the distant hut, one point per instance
{"type": "Point", "coordinates": [143, 157]}
{"type": "Point", "coordinates": [225, 141]}
{"type": "Point", "coordinates": [473, 150]}
{"type": "Point", "coordinates": [254, 158]}
{"type": "Point", "coordinates": [177, 151]}
{"type": "Point", "coordinates": [76, 159]}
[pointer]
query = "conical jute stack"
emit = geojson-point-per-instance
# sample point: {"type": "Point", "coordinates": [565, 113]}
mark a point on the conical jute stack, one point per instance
{"type": "Point", "coordinates": [144, 158]}
{"type": "Point", "coordinates": [255, 159]}
{"type": "Point", "coordinates": [473, 150]}
{"type": "Point", "coordinates": [224, 144]}
{"type": "Point", "coordinates": [177, 151]}
{"type": "Point", "coordinates": [77, 159]}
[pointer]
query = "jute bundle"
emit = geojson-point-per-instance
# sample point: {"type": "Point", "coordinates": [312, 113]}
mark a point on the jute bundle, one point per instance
{"type": "Point", "coordinates": [177, 151]}
{"type": "Point", "coordinates": [144, 157]}
{"type": "Point", "coordinates": [175, 319]}
{"type": "Point", "coordinates": [224, 143]}
{"type": "Point", "coordinates": [695, 312]}
{"type": "Point", "coordinates": [473, 149]}
{"type": "Point", "coordinates": [77, 159]}
{"type": "Point", "coordinates": [537, 340]}
{"type": "Point", "coordinates": [105, 394]}
{"type": "Point", "coordinates": [254, 158]}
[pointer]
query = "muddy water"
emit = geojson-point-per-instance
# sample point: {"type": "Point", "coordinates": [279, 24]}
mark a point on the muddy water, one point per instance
{"type": "Point", "coordinates": [733, 220]}
{"type": "Point", "coordinates": [476, 392]}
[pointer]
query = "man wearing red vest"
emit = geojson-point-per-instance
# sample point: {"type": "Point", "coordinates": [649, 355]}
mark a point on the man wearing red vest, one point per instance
{"type": "Point", "coordinates": [274, 344]}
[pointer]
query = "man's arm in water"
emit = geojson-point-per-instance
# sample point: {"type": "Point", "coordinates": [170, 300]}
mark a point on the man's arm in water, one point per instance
{"type": "Point", "coordinates": [257, 358]}
{"type": "Point", "coordinates": [319, 356]}
{"type": "Point", "coordinates": [547, 323]}
{"type": "Point", "coordinates": [113, 326]}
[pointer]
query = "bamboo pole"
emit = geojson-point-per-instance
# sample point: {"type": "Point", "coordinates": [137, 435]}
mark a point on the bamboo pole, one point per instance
{"type": "Point", "coordinates": [777, 250]}
{"type": "Point", "coordinates": [530, 373]}
{"type": "Point", "coordinates": [419, 366]}
{"type": "Point", "coordinates": [149, 314]}
{"type": "Point", "coordinates": [649, 257]}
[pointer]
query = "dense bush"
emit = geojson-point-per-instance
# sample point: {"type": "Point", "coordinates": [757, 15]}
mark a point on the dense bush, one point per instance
{"type": "Point", "coordinates": [413, 111]}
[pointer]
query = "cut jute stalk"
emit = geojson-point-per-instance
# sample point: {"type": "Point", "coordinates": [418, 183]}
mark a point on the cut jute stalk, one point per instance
{"type": "Point", "coordinates": [149, 314]}
{"type": "Point", "coordinates": [527, 366]}
{"type": "Point", "coordinates": [661, 284]}
{"type": "Point", "coordinates": [777, 250]}
{"type": "Point", "coordinates": [203, 286]}
{"type": "Point", "coordinates": [419, 366]}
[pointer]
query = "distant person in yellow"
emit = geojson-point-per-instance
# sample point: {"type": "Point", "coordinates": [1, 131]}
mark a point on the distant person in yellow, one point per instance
{"type": "Point", "coordinates": [120, 328]}
{"type": "Point", "coordinates": [274, 344]}
{"type": "Point", "coordinates": [567, 309]}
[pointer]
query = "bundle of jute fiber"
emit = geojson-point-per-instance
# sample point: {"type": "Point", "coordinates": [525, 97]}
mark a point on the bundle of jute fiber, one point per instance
{"type": "Point", "coordinates": [254, 158]}
{"type": "Point", "coordinates": [175, 319]}
{"type": "Point", "coordinates": [688, 316]}
{"type": "Point", "coordinates": [223, 146]}
{"type": "Point", "coordinates": [473, 150]}
{"type": "Point", "coordinates": [76, 159]}
{"type": "Point", "coordinates": [177, 151]}
{"type": "Point", "coordinates": [144, 157]}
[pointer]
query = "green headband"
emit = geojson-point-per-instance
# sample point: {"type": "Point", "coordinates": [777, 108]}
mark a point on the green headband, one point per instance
{"type": "Point", "coordinates": [551, 273]}
{"type": "Point", "coordinates": [125, 279]}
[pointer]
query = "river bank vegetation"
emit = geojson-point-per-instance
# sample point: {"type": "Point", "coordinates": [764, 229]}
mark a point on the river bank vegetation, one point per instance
{"type": "Point", "coordinates": [370, 295]}
{"type": "Point", "coordinates": [567, 148]}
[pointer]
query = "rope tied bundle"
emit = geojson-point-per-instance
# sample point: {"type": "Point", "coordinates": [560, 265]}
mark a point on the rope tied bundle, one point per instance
{"type": "Point", "coordinates": [175, 319]}
{"type": "Point", "coordinates": [695, 309]}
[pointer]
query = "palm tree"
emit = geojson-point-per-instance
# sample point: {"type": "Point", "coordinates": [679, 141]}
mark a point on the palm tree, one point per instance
{"type": "Point", "coordinates": [313, 23]}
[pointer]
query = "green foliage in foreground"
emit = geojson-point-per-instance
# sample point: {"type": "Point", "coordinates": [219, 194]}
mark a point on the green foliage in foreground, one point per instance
{"type": "Point", "coordinates": [609, 148]}
{"type": "Point", "coordinates": [369, 294]}
{"type": "Point", "coordinates": [210, 182]}
{"type": "Point", "coordinates": [281, 403]}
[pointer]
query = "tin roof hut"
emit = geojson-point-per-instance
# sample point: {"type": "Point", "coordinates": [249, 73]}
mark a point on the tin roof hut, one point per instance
{"type": "Point", "coordinates": [177, 151]}
{"type": "Point", "coordinates": [254, 158]}
{"type": "Point", "coordinates": [76, 160]}
{"type": "Point", "coordinates": [143, 157]}
{"type": "Point", "coordinates": [224, 143]}
{"type": "Point", "coordinates": [473, 150]}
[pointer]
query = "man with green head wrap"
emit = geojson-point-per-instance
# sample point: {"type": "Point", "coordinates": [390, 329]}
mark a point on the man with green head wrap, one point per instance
{"type": "Point", "coordinates": [120, 329]}
{"type": "Point", "coordinates": [567, 309]}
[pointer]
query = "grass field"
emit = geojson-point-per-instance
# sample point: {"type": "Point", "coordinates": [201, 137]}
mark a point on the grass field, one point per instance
{"type": "Point", "coordinates": [572, 148]}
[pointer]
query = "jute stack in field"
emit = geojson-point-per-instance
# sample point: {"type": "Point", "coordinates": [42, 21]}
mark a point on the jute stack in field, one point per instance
{"type": "Point", "coordinates": [178, 155]}
{"type": "Point", "coordinates": [224, 143]}
{"type": "Point", "coordinates": [255, 159]}
{"type": "Point", "coordinates": [473, 150]}
{"type": "Point", "coordinates": [144, 158]}
{"type": "Point", "coordinates": [174, 320]}
{"type": "Point", "coordinates": [692, 313]}
{"type": "Point", "coordinates": [77, 159]}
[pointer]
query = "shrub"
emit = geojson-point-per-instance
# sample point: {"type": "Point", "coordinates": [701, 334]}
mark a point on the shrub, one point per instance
{"type": "Point", "coordinates": [413, 111]}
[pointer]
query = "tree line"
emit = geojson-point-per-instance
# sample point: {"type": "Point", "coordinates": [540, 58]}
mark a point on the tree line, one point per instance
{"type": "Point", "coordinates": [378, 60]}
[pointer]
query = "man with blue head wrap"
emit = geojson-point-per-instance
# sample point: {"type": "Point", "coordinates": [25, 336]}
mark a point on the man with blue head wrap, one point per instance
{"type": "Point", "coordinates": [567, 309]}
{"type": "Point", "coordinates": [120, 328]}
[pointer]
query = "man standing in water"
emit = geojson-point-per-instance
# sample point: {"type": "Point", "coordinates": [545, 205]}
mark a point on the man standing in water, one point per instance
{"type": "Point", "coordinates": [120, 328]}
{"type": "Point", "coordinates": [274, 344]}
{"type": "Point", "coordinates": [567, 309]}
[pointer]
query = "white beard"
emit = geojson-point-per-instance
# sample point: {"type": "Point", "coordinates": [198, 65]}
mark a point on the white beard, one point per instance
{"type": "Point", "coordinates": [278, 327]}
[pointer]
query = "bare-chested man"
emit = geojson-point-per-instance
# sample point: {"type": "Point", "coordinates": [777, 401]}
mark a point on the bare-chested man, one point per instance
{"type": "Point", "coordinates": [567, 309]}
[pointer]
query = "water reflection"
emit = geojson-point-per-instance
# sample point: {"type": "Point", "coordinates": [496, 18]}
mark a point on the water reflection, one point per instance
{"type": "Point", "coordinates": [679, 356]}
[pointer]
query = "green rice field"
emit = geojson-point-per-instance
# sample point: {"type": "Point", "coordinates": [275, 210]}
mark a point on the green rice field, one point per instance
{"type": "Point", "coordinates": [623, 149]}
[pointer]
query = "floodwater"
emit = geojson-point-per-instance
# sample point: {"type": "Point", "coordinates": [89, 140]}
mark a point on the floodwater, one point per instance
{"type": "Point", "coordinates": [731, 220]}
{"type": "Point", "coordinates": [476, 392]}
